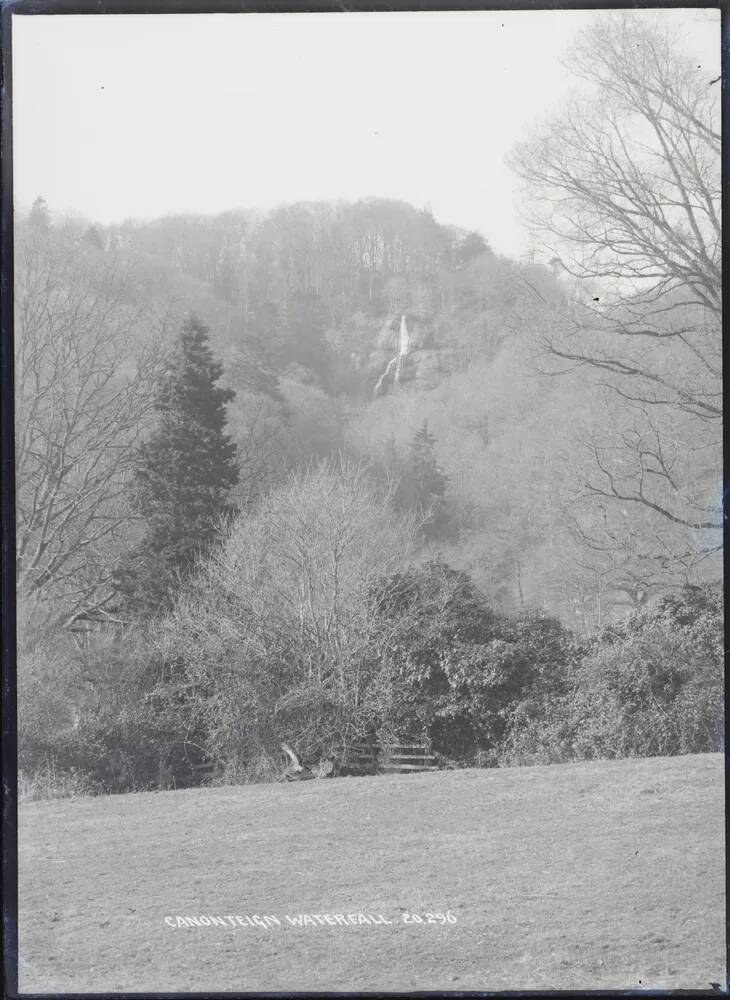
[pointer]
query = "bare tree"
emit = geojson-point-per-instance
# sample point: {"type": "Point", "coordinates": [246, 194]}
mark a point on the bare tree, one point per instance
{"type": "Point", "coordinates": [624, 190]}
{"type": "Point", "coordinates": [83, 389]}
{"type": "Point", "coordinates": [283, 625]}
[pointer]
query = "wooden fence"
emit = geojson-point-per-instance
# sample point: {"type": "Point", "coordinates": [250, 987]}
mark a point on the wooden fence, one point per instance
{"type": "Point", "coordinates": [359, 758]}
{"type": "Point", "coordinates": [207, 771]}
{"type": "Point", "coordinates": [393, 758]}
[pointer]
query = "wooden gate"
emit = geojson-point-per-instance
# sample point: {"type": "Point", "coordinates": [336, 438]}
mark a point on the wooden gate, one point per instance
{"type": "Point", "coordinates": [362, 758]}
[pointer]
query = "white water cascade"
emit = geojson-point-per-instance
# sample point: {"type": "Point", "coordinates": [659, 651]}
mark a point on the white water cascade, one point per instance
{"type": "Point", "coordinates": [395, 365]}
{"type": "Point", "coordinates": [403, 338]}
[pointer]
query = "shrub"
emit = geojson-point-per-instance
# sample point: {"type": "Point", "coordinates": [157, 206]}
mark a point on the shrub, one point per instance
{"type": "Point", "coordinates": [462, 669]}
{"type": "Point", "coordinates": [50, 682]}
{"type": "Point", "coordinates": [649, 686]}
{"type": "Point", "coordinates": [47, 782]}
{"type": "Point", "coordinates": [104, 712]}
{"type": "Point", "coordinates": [433, 610]}
{"type": "Point", "coordinates": [280, 630]}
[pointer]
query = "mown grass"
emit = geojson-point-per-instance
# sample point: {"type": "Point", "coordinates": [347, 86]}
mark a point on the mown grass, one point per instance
{"type": "Point", "coordinates": [591, 875]}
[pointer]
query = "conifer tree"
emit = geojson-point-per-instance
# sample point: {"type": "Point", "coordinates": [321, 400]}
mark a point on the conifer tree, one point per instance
{"type": "Point", "coordinates": [39, 217]}
{"type": "Point", "coordinates": [423, 485]}
{"type": "Point", "coordinates": [183, 478]}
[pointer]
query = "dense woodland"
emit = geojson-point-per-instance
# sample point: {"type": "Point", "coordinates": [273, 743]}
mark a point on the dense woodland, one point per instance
{"type": "Point", "coordinates": [236, 526]}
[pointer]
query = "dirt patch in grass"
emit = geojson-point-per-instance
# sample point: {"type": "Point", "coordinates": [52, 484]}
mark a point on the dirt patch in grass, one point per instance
{"type": "Point", "coordinates": [593, 875]}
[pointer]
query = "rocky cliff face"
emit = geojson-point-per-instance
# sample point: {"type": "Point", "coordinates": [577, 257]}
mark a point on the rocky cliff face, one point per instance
{"type": "Point", "coordinates": [407, 354]}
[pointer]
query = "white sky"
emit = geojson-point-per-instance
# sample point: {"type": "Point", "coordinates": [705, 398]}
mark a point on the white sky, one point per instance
{"type": "Point", "coordinates": [118, 116]}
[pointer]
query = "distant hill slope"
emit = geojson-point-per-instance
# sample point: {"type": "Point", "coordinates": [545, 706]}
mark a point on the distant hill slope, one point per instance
{"type": "Point", "coordinates": [324, 285]}
{"type": "Point", "coordinates": [593, 875]}
{"type": "Point", "coordinates": [306, 305]}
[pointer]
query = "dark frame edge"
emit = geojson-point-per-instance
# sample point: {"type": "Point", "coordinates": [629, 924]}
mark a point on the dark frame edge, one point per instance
{"type": "Point", "coordinates": [9, 795]}
{"type": "Point", "coordinates": [52, 7]}
{"type": "Point", "coordinates": [725, 489]}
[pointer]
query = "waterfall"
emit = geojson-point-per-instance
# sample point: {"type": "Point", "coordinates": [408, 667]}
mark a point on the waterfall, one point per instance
{"type": "Point", "coordinates": [403, 338]}
{"type": "Point", "coordinates": [395, 365]}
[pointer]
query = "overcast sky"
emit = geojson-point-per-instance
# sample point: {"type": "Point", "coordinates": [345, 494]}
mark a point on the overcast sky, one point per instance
{"type": "Point", "coordinates": [119, 116]}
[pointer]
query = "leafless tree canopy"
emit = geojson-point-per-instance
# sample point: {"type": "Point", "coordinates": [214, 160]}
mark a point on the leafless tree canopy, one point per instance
{"type": "Point", "coordinates": [623, 188]}
{"type": "Point", "coordinates": [82, 395]}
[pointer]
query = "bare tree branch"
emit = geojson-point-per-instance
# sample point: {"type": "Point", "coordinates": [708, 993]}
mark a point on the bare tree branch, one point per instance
{"type": "Point", "coordinates": [83, 392]}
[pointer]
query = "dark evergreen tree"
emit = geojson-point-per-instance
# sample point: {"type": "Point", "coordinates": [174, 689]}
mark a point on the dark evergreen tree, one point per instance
{"type": "Point", "coordinates": [423, 485]}
{"type": "Point", "coordinates": [39, 216]}
{"type": "Point", "coordinates": [183, 477]}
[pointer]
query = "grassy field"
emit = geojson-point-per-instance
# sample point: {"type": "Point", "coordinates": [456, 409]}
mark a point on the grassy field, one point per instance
{"type": "Point", "coordinates": [607, 874]}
